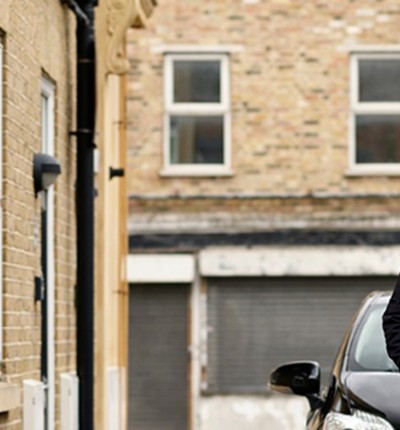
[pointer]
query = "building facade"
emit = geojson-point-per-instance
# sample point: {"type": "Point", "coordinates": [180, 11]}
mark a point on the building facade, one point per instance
{"type": "Point", "coordinates": [42, 380]}
{"type": "Point", "coordinates": [38, 252]}
{"type": "Point", "coordinates": [263, 158]}
{"type": "Point", "coordinates": [113, 19]}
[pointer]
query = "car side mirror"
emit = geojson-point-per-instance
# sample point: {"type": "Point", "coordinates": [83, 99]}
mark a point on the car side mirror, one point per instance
{"type": "Point", "coordinates": [302, 378]}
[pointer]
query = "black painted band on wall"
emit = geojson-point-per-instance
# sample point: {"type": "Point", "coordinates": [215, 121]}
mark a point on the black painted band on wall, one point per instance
{"type": "Point", "coordinates": [195, 241]}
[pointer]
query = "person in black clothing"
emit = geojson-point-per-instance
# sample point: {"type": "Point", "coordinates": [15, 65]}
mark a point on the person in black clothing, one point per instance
{"type": "Point", "coordinates": [391, 325]}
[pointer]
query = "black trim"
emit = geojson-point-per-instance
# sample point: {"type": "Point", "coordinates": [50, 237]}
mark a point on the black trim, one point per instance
{"type": "Point", "coordinates": [44, 368]}
{"type": "Point", "coordinates": [86, 103]}
{"type": "Point", "coordinates": [195, 241]}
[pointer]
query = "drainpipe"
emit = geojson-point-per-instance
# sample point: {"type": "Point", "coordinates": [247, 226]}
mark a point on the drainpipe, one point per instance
{"type": "Point", "coordinates": [86, 102]}
{"type": "Point", "coordinates": [86, 76]}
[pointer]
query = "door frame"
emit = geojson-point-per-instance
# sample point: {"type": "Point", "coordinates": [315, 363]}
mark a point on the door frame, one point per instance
{"type": "Point", "coordinates": [47, 225]}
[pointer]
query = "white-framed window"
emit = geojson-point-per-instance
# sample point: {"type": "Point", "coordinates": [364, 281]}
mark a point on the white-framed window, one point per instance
{"type": "Point", "coordinates": [197, 115]}
{"type": "Point", "coordinates": [375, 113]}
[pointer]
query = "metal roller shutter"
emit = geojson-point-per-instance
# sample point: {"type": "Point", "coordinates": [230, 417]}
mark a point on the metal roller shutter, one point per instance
{"type": "Point", "coordinates": [257, 324]}
{"type": "Point", "coordinates": [158, 357]}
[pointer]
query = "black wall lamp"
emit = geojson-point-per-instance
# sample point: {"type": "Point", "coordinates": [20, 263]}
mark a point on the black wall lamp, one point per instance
{"type": "Point", "coordinates": [45, 171]}
{"type": "Point", "coordinates": [115, 173]}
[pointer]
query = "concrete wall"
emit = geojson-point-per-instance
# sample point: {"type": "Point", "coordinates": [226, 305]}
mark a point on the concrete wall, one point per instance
{"type": "Point", "coordinates": [274, 412]}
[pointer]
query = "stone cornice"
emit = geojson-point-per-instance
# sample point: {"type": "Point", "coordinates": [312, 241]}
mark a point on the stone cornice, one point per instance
{"type": "Point", "coordinates": [120, 16]}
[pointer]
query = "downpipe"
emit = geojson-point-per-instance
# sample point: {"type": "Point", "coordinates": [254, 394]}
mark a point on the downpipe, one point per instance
{"type": "Point", "coordinates": [86, 113]}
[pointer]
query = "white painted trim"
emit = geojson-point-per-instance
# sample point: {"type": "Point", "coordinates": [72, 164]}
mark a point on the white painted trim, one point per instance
{"type": "Point", "coordinates": [168, 82]}
{"type": "Point", "coordinates": [374, 170]}
{"type": "Point", "coordinates": [221, 108]}
{"type": "Point", "coordinates": [377, 108]}
{"type": "Point", "coordinates": [225, 83]}
{"type": "Point", "coordinates": [204, 109]}
{"type": "Point", "coordinates": [159, 268]}
{"type": "Point", "coordinates": [300, 261]}
{"type": "Point", "coordinates": [48, 124]}
{"type": "Point", "coordinates": [353, 80]}
{"type": "Point", "coordinates": [228, 142]}
{"type": "Point", "coordinates": [197, 49]}
{"type": "Point", "coordinates": [201, 171]}
{"type": "Point", "coordinates": [369, 48]}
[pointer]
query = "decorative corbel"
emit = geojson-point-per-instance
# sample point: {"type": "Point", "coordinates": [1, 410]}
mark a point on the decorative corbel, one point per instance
{"type": "Point", "coordinates": [122, 15]}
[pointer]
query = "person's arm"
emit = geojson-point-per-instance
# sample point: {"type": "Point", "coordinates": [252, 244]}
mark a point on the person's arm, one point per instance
{"type": "Point", "coordinates": [391, 325]}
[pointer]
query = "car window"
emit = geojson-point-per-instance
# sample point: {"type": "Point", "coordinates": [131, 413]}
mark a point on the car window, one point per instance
{"type": "Point", "coordinates": [368, 349]}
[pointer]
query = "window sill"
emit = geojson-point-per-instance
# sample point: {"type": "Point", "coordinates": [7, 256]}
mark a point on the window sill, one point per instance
{"type": "Point", "coordinates": [171, 172]}
{"type": "Point", "coordinates": [373, 171]}
{"type": "Point", "coordinates": [10, 397]}
{"type": "Point", "coordinates": [196, 49]}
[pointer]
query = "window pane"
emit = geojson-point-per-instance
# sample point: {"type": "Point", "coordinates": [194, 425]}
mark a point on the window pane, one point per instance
{"type": "Point", "coordinates": [379, 80]}
{"type": "Point", "coordinates": [197, 82]}
{"type": "Point", "coordinates": [368, 352]}
{"type": "Point", "coordinates": [378, 139]}
{"type": "Point", "coordinates": [197, 139]}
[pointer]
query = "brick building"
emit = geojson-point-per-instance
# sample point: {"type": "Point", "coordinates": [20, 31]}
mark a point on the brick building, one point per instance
{"type": "Point", "coordinates": [57, 289]}
{"type": "Point", "coordinates": [264, 151]}
{"type": "Point", "coordinates": [37, 75]}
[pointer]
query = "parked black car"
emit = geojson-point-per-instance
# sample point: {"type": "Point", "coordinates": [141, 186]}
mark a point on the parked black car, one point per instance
{"type": "Point", "coordinates": [364, 388]}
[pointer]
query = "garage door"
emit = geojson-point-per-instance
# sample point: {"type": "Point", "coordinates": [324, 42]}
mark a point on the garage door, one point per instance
{"type": "Point", "coordinates": [158, 357]}
{"type": "Point", "coordinates": [256, 324]}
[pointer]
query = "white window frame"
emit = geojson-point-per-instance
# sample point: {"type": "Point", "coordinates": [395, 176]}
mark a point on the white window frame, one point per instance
{"type": "Point", "coordinates": [48, 147]}
{"type": "Point", "coordinates": [372, 108]}
{"type": "Point", "coordinates": [222, 108]}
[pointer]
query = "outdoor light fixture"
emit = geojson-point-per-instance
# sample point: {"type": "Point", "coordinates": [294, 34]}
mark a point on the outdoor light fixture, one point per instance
{"type": "Point", "coordinates": [45, 171]}
{"type": "Point", "coordinates": [116, 172]}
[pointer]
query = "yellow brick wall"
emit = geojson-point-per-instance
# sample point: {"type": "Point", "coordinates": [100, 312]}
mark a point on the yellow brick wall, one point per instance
{"type": "Point", "coordinates": [290, 93]}
{"type": "Point", "coordinates": [38, 38]}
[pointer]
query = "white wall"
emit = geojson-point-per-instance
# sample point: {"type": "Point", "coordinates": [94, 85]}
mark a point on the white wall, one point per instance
{"type": "Point", "coordinates": [273, 412]}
